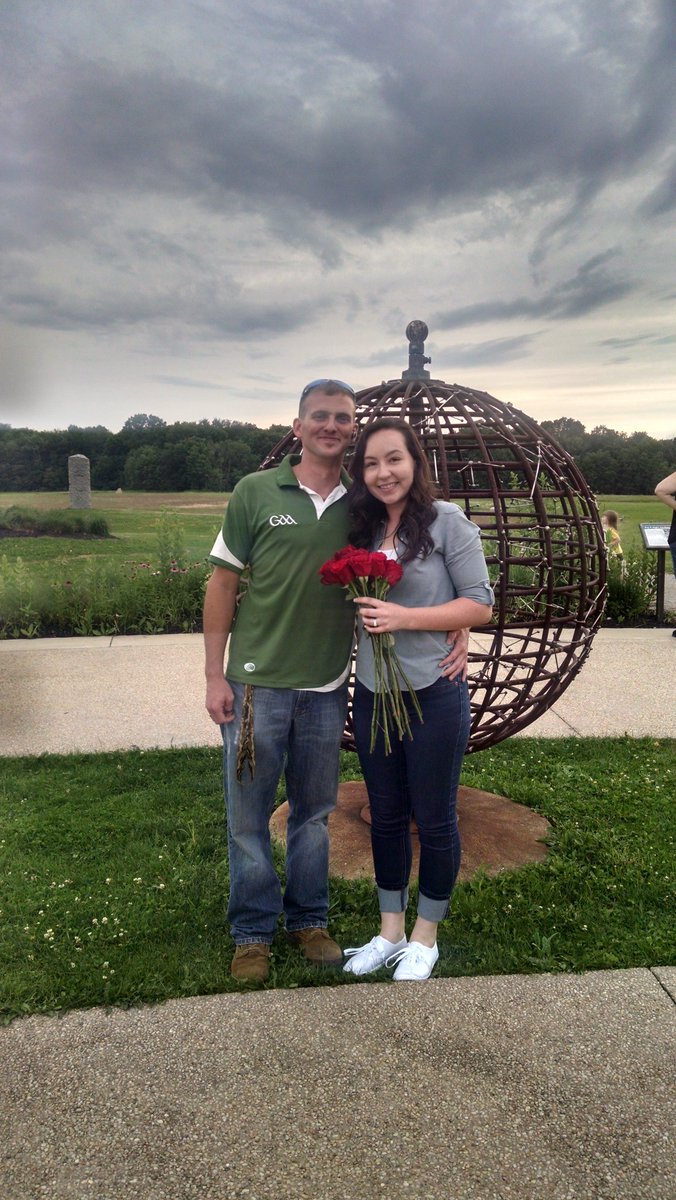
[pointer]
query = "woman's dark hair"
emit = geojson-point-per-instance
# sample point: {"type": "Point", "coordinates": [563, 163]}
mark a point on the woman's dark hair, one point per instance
{"type": "Point", "coordinates": [367, 514]}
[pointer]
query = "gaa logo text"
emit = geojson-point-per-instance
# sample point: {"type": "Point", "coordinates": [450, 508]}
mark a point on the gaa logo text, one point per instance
{"type": "Point", "coordinates": [282, 519]}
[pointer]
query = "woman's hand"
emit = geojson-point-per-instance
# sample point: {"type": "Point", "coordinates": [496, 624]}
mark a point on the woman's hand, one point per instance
{"type": "Point", "coordinates": [380, 616]}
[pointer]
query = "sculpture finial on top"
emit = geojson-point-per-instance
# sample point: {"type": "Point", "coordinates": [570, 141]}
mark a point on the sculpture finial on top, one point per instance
{"type": "Point", "coordinates": [416, 332]}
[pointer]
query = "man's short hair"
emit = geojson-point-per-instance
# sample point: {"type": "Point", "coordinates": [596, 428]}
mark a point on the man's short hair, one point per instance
{"type": "Point", "coordinates": [332, 387]}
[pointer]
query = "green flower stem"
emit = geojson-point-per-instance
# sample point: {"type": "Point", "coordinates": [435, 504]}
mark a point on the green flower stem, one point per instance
{"type": "Point", "coordinates": [389, 708]}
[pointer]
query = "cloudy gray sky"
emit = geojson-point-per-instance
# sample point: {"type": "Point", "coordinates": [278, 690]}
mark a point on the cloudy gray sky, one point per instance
{"type": "Point", "coordinates": [205, 203]}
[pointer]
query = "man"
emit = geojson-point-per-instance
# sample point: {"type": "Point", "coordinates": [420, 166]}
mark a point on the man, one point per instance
{"type": "Point", "coordinates": [666, 492]}
{"type": "Point", "coordinates": [288, 661]}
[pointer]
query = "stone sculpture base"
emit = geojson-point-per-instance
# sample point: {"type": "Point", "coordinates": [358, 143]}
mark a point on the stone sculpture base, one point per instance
{"type": "Point", "coordinates": [496, 834]}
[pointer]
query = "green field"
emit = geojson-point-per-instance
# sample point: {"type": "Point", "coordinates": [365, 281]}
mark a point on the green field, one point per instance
{"type": "Point", "coordinates": [633, 512]}
{"type": "Point", "coordinates": [133, 522]}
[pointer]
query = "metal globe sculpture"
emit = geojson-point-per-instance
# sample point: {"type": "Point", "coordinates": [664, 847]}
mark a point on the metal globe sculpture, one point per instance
{"type": "Point", "coordinates": [540, 530]}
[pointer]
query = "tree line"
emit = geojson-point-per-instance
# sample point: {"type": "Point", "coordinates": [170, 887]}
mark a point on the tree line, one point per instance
{"type": "Point", "coordinates": [150, 456]}
{"type": "Point", "coordinates": [623, 464]}
{"type": "Point", "coordinates": [147, 455]}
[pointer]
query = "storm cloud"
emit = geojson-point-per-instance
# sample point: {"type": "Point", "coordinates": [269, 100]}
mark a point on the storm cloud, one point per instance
{"type": "Point", "coordinates": [193, 189]}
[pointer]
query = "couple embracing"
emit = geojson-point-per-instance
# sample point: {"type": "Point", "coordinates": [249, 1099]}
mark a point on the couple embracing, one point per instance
{"type": "Point", "coordinates": [282, 703]}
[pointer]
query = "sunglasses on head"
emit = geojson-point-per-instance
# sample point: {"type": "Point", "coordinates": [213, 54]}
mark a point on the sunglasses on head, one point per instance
{"type": "Point", "coordinates": [316, 383]}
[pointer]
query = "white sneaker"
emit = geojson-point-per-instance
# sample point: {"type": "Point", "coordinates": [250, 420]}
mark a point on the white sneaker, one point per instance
{"type": "Point", "coordinates": [415, 961]}
{"type": "Point", "coordinates": [364, 959]}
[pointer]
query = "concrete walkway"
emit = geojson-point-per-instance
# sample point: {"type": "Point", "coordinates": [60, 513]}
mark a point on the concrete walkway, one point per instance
{"type": "Point", "coordinates": [513, 1088]}
{"type": "Point", "coordinates": [92, 694]}
{"type": "Point", "coordinates": [507, 1088]}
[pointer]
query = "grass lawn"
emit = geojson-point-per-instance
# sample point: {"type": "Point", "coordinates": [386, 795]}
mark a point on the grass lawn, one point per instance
{"type": "Point", "coordinates": [114, 875]}
{"type": "Point", "coordinates": [633, 512]}
{"type": "Point", "coordinates": [56, 586]}
{"type": "Point", "coordinates": [133, 522]}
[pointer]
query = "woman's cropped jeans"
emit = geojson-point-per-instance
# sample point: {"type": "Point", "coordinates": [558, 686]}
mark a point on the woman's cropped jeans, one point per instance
{"type": "Point", "coordinates": [296, 733]}
{"type": "Point", "coordinates": [419, 778]}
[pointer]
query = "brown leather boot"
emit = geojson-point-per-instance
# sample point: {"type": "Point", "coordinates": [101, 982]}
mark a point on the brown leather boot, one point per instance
{"type": "Point", "coordinates": [251, 963]}
{"type": "Point", "coordinates": [317, 947]}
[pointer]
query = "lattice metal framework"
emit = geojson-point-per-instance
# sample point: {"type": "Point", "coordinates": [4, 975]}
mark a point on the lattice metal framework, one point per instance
{"type": "Point", "coordinates": [541, 536]}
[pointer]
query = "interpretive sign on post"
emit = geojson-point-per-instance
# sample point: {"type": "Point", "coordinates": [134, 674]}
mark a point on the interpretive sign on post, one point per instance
{"type": "Point", "coordinates": [655, 535]}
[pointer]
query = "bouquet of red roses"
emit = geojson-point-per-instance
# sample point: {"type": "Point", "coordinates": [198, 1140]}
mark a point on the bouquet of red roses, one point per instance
{"type": "Point", "coordinates": [371, 573]}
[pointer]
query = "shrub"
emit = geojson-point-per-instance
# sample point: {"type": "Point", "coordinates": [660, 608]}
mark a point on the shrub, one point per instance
{"type": "Point", "coordinates": [19, 518]}
{"type": "Point", "coordinates": [163, 596]}
{"type": "Point", "coordinates": [55, 523]}
{"type": "Point", "coordinates": [632, 586]}
{"type": "Point", "coordinates": [170, 547]}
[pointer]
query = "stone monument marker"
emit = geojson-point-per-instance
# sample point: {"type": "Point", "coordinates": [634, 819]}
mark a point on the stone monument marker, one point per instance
{"type": "Point", "coordinates": [79, 486]}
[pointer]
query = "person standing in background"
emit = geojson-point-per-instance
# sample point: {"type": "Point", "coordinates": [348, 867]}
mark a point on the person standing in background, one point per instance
{"type": "Point", "coordinates": [611, 533]}
{"type": "Point", "coordinates": [666, 492]}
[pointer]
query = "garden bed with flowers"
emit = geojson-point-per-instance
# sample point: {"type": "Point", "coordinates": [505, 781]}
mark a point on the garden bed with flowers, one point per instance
{"type": "Point", "coordinates": [147, 578]}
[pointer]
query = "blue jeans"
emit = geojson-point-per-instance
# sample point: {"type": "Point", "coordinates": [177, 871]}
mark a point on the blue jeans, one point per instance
{"type": "Point", "coordinates": [296, 733]}
{"type": "Point", "coordinates": [419, 778]}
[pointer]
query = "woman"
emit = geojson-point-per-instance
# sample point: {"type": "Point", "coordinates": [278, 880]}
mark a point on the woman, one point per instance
{"type": "Point", "coordinates": [444, 587]}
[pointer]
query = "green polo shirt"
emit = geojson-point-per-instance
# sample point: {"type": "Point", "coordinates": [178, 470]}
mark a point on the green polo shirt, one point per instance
{"type": "Point", "coordinates": [291, 631]}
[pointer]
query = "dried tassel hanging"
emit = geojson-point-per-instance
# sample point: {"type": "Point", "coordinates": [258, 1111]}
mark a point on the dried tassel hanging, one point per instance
{"type": "Point", "coordinates": [246, 753]}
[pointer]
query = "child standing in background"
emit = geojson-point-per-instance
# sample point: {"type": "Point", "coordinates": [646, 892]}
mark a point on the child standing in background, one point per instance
{"type": "Point", "coordinates": [609, 522]}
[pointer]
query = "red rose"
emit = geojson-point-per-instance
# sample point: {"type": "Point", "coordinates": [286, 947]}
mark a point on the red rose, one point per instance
{"type": "Point", "coordinates": [360, 562]}
{"type": "Point", "coordinates": [336, 572]}
{"type": "Point", "coordinates": [374, 565]}
{"type": "Point", "coordinates": [393, 571]}
{"type": "Point", "coordinates": [352, 563]}
{"type": "Point", "coordinates": [337, 569]}
{"type": "Point", "coordinates": [346, 552]}
{"type": "Point", "coordinates": [354, 569]}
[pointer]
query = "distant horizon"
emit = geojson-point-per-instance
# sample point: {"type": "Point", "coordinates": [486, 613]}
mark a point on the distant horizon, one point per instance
{"type": "Point", "coordinates": [287, 425]}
